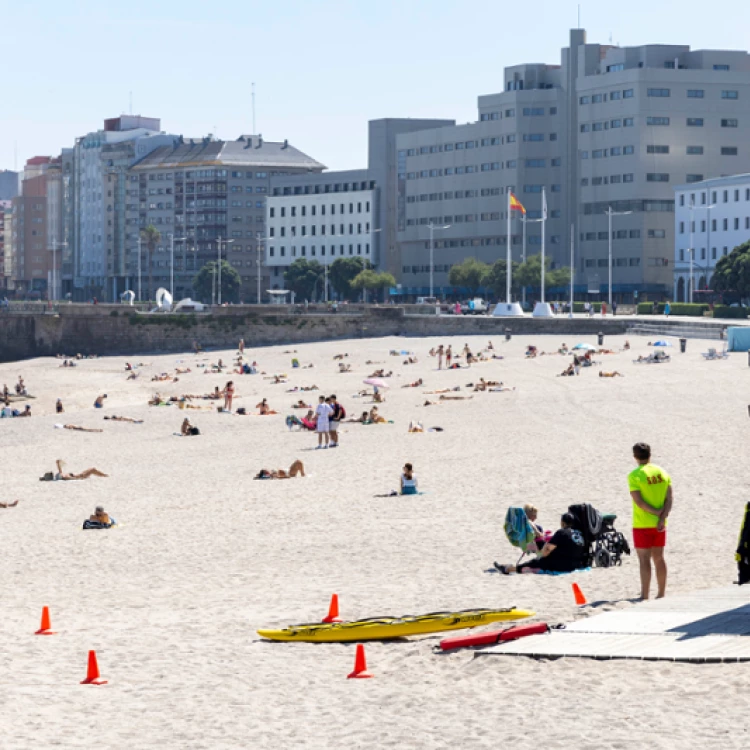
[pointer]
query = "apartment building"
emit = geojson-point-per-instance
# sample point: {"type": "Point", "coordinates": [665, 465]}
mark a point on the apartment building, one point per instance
{"type": "Point", "coordinates": [5, 261]}
{"type": "Point", "coordinates": [712, 217]}
{"type": "Point", "coordinates": [345, 213]}
{"type": "Point", "coordinates": [608, 128]}
{"type": "Point", "coordinates": [206, 197]}
{"type": "Point", "coordinates": [9, 183]}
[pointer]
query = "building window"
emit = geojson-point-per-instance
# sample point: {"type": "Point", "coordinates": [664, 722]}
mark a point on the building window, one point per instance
{"type": "Point", "coordinates": [721, 67]}
{"type": "Point", "coordinates": [536, 163]}
{"type": "Point", "coordinates": [730, 95]}
{"type": "Point", "coordinates": [533, 137]}
{"type": "Point", "coordinates": [657, 120]}
{"type": "Point", "coordinates": [628, 150]}
{"type": "Point", "coordinates": [694, 178]}
{"type": "Point", "coordinates": [585, 128]}
{"type": "Point", "coordinates": [628, 94]}
{"type": "Point", "coordinates": [510, 138]}
{"type": "Point", "coordinates": [729, 123]}
{"type": "Point", "coordinates": [627, 177]}
{"type": "Point", "coordinates": [585, 100]}
{"type": "Point", "coordinates": [628, 122]}
{"type": "Point", "coordinates": [658, 234]}
{"type": "Point", "coordinates": [729, 151]}
{"type": "Point", "coordinates": [695, 93]}
{"type": "Point", "coordinates": [658, 92]}
{"type": "Point", "coordinates": [657, 177]}
{"type": "Point", "coordinates": [533, 111]}
{"type": "Point", "coordinates": [695, 122]}
{"type": "Point", "coordinates": [615, 123]}
{"type": "Point", "coordinates": [532, 188]}
{"type": "Point", "coordinates": [694, 150]}
{"type": "Point", "coordinates": [657, 149]}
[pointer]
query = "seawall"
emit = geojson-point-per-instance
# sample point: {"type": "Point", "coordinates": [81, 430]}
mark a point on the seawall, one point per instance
{"type": "Point", "coordinates": [113, 329]}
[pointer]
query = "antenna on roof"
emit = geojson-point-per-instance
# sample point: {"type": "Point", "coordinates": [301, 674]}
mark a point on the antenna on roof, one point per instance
{"type": "Point", "coordinates": [253, 98]}
{"type": "Point", "coordinates": [579, 15]}
{"type": "Point", "coordinates": [131, 102]}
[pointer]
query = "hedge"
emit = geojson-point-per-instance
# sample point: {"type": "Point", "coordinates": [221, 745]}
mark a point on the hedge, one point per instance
{"type": "Point", "coordinates": [579, 307]}
{"type": "Point", "coordinates": [682, 308]}
{"type": "Point", "coordinates": [645, 308]}
{"type": "Point", "coordinates": [724, 311]}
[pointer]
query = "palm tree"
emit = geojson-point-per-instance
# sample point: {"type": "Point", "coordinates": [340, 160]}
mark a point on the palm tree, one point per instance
{"type": "Point", "coordinates": [151, 236]}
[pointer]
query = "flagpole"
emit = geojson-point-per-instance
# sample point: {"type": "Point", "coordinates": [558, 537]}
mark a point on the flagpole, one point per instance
{"type": "Point", "coordinates": [507, 270]}
{"type": "Point", "coordinates": [544, 225]}
{"type": "Point", "coordinates": [572, 265]}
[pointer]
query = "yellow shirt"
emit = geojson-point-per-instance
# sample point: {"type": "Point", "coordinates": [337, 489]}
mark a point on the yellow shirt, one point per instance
{"type": "Point", "coordinates": [652, 482]}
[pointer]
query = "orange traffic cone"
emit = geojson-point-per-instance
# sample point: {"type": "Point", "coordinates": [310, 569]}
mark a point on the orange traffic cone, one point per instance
{"type": "Point", "coordinates": [92, 674]}
{"type": "Point", "coordinates": [46, 626]}
{"type": "Point", "coordinates": [360, 665]}
{"type": "Point", "coordinates": [333, 610]}
{"type": "Point", "coordinates": [578, 594]}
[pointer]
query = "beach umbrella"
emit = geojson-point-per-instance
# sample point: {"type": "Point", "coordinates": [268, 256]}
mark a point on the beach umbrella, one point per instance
{"type": "Point", "coordinates": [662, 342]}
{"type": "Point", "coordinates": [376, 382]}
{"type": "Point", "coordinates": [585, 347]}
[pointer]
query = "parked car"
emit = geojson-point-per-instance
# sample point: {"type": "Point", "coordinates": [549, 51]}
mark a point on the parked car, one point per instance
{"type": "Point", "coordinates": [427, 300]}
{"type": "Point", "coordinates": [476, 306]}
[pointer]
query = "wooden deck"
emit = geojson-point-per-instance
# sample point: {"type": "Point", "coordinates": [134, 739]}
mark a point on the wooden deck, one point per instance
{"type": "Point", "coordinates": [700, 627]}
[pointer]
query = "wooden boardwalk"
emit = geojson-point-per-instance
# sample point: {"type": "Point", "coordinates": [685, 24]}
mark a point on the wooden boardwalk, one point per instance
{"type": "Point", "coordinates": [700, 627]}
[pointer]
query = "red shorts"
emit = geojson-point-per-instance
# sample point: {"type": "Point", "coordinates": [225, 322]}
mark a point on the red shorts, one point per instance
{"type": "Point", "coordinates": [646, 538]}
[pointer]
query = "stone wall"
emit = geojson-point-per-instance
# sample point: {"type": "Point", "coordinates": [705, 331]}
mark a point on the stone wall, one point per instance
{"type": "Point", "coordinates": [114, 329]}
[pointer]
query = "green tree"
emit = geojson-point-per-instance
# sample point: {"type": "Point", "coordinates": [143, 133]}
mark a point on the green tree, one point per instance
{"type": "Point", "coordinates": [303, 276]}
{"type": "Point", "coordinates": [469, 274]}
{"type": "Point", "coordinates": [369, 279]}
{"type": "Point", "coordinates": [151, 236]}
{"type": "Point", "coordinates": [204, 282]}
{"type": "Point", "coordinates": [496, 278]}
{"type": "Point", "coordinates": [732, 272]}
{"type": "Point", "coordinates": [342, 272]}
{"type": "Point", "coordinates": [530, 273]}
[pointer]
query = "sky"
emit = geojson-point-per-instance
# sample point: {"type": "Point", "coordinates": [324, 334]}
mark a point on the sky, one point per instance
{"type": "Point", "coordinates": [321, 68]}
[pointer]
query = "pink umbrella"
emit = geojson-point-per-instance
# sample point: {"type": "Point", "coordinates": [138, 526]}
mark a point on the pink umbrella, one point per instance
{"type": "Point", "coordinates": [376, 383]}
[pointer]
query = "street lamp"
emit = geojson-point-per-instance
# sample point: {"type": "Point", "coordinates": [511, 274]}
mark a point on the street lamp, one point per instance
{"type": "Point", "coordinates": [172, 240]}
{"type": "Point", "coordinates": [219, 243]}
{"type": "Point", "coordinates": [691, 250]}
{"type": "Point", "coordinates": [433, 229]}
{"type": "Point", "coordinates": [55, 246]}
{"type": "Point", "coordinates": [610, 213]}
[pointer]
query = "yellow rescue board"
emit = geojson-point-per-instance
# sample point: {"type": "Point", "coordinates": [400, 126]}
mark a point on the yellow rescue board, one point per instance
{"type": "Point", "coordinates": [382, 628]}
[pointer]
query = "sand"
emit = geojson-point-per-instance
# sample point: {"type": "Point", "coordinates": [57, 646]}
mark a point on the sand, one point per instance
{"type": "Point", "coordinates": [204, 556]}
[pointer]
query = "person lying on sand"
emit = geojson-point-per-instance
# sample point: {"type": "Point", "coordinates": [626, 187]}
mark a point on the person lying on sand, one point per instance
{"type": "Point", "coordinates": [563, 553]}
{"type": "Point", "coordinates": [62, 475]}
{"type": "Point", "coordinates": [182, 370]}
{"type": "Point", "coordinates": [374, 416]}
{"type": "Point", "coordinates": [77, 428]}
{"type": "Point", "coordinates": [410, 361]}
{"type": "Point", "coordinates": [500, 388]}
{"type": "Point", "coordinates": [415, 384]}
{"type": "Point", "coordinates": [415, 426]}
{"type": "Point", "coordinates": [431, 403]}
{"type": "Point", "coordinates": [9, 505]}
{"type": "Point", "coordinates": [455, 398]}
{"type": "Point", "coordinates": [264, 409]}
{"type": "Point", "coordinates": [125, 419]}
{"type": "Point", "coordinates": [344, 368]}
{"type": "Point", "coordinates": [442, 390]}
{"type": "Point", "coordinates": [296, 468]}
{"type": "Point", "coordinates": [381, 373]}
{"type": "Point", "coordinates": [614, 374]}
{"type": "Point", "coordinates": [340, 356]}
{"type": "Point", "coordinates": [301, 405]}
{"type": "Point", "coordinates": [482, 385]}
{"type": "Point", "coordinates": [569, 370]}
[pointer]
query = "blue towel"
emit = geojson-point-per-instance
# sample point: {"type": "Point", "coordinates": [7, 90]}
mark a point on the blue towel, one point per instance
{"type": "Point", "coordinates": [518, 528]}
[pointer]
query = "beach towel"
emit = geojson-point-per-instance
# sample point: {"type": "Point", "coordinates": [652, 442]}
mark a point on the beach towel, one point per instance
{"type": "Point", "coordinates": [519, 529]}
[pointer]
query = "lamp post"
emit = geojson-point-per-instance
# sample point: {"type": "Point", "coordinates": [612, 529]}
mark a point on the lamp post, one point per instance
{"type": "Point", "coordinates": [55, 246]}
{"type": "Point", "coordinates": [610, 213]}
{"type": "Point", "coordinates": [172, 240]}
{"type": "Point", "coordinates": [139, 266]}
{"type": "Point", "coordinates": [219, 243]}
{"type": "Point", "coordinates": [433, 229]}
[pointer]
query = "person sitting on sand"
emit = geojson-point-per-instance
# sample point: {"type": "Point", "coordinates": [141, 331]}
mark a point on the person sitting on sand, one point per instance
{"type": "Point", "coordinates": [188, 428]}
{"type": "Point", "coordinates": [344, 367]}
{"type": "Point", "coordinates": [569, 370]}
{"type": "Point", "coordinates": [489, 346]}
{"type": "Point", "coordinates": [415, 384]}
{"type": "Point", "coordinates": [101, 516]}
{"type": "Point", "coordinates": [563, 553]}
{"type": "Point", "coordinates": [614, 374]}
{"type": "Point", "coordinates": [563, 349]}
{"type": "Point", "coordinates": [408, 480]}
{"type": "Point", "coordinates": [374, 416]}
{"type": "Point", "coordinates": [26, 412]}
{"type": "Point", "coordinates": [264, 409]}
{"type": "Point", "coordinates": [531, 352]}
{"type": "Point", "coordinates": [627, 346]}
{"type": "Point", "coordinates": [301, 405]}
{"type": "Point", "coordinates": [9, 505]}
{"type": "Point", "coordinates": [125, 419]}
{"type": "Point", "coordinates": [64, 476]}
{"type": "Point", "coordinates": [377, 396]}
{"type": "Point", "coordinates": [532, 513]}
{"type": "Point", "coordinates": [99, 403]}
{"type": "Point", "coordinates": [21, 387]}
{"type": "Point", "coordinates": [296, 468]}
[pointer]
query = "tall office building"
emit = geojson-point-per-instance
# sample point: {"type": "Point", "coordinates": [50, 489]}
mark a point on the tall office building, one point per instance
{"type": "Point", "coordinates": [5, 262]}
{"type": "Point", "coordinates": [9, 184]}
{"type": "Point", "coordinates": [608, 128]}
{"type": "Point", "coordinates": [208, 197]}
{"type": "Point", "coordinates": [338, 214]}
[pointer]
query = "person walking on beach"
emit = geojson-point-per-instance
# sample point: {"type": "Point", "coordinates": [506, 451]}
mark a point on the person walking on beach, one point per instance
{"type": "Point", "coordinates": [323, 414]}
{"type": "Point", "coordinates": [448, 357]}
{"type": "Point", "coordinates": [337, 414]}
{"type": "Point", "coordinates": [241, 346]}
{"type": "Point", "coordinates": [440, 353]}
{"type": "Point", "coordinates": [651, 489]}
{"type": "Point", "coordinates": [228, 395]}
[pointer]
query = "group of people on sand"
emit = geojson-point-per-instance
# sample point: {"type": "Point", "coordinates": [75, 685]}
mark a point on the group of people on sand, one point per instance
{"type": "Point", "coordinates": [328, 416]}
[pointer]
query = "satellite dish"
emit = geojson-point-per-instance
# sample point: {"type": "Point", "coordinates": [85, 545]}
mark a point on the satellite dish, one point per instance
{"type": "Point", "coordinates": [127, 297]}
{"type": "Point", "coordinates": [163, 299]}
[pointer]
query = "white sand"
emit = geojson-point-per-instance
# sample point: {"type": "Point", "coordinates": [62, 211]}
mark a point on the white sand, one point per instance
{"type": "Point", "coordinates": [205, 555]}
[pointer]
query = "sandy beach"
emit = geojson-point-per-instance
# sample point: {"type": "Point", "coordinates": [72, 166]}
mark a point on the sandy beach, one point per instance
{"type": "Point", "coordinates": [204, 555]}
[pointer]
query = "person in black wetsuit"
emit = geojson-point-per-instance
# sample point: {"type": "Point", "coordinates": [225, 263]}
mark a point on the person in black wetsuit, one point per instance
{"type": "Point", "coordinates": [561, 554]}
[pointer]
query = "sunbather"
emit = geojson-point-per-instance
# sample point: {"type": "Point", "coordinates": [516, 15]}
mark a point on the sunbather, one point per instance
{"type": "Point", "coordinates": [415, 384]}
{"type": "Point", "coordinates": [9, 505]}
{"type": "Point", "coordinates": [77, 428]}
{"type": "Point", "coordinates": [455, 398]}
{"type": "Point", "coordinates": [613, 374]}
{"type": "Point", "coordinates": [264, 409]}
{"type": "Point", "coordinates": [62, 475]}
{"type": "Point", "coordinates": [563, 553]}
{"type": "Point", "coordinates": [296, 468]}
{"type": "Point", "coordinates": [125, 419]}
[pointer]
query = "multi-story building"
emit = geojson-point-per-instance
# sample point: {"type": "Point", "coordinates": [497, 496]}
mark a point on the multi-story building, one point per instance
{"type": "Point", "coordinates": [205, 197]}
{"type": "Point", "coordinates": [712, 217]}
{"type": "Point", "coordinates": [609, 128]}
{"type": "Point", "coordinates": [327, 216]}
{"type": "Point", "coordinates": [54, 237]}
{"type": "Point", "coordinates": [9, 182]}
{"type": "Point", "coordinates": [94, 171]}
{"type": "Point", "coordinates": [5, 261]}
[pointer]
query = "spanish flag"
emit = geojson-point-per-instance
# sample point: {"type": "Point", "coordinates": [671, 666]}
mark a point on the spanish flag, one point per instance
{"type": "Point", "coordinates": [514, 204]}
